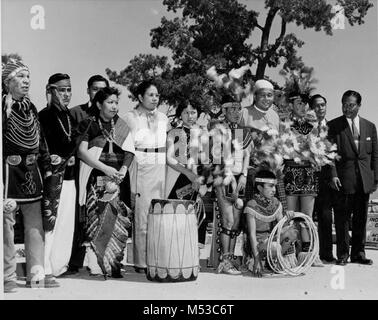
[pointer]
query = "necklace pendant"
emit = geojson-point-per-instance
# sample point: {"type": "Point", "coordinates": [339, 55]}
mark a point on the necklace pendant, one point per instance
{"type": "Point", "coordinates": [110, 147]}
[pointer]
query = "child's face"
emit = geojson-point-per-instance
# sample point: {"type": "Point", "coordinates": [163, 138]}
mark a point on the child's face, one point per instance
{"type": "Point", "coordinates": [189, 116]}
{"type": "Point", "coordinates": [268, 190]}
{"type": "Point", "coordinates": [233, 114]}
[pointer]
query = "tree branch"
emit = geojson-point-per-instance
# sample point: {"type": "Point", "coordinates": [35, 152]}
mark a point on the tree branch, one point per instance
{"type": "Point", "coordinates": [259, 27]}
{"type": "Point", "coordinates": [281, 36]}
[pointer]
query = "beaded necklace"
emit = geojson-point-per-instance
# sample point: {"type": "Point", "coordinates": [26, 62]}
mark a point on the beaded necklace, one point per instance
{"type": "Point", "coordinates": [22, 128]}
{"type": "Point", "coordinates": [109, 136]}
{"type": "Point", "coordinates": [69, 133]}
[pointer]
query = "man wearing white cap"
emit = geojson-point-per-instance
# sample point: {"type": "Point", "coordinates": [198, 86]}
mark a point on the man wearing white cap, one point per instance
{"type": "Point", "coordinates": [260, 114]}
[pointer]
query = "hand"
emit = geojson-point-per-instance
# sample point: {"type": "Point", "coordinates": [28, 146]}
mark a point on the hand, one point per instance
{"type": "Point", "coordinates": [112, 173]}
{"type": "Point", "coordinates": [122, 172]}
{"type": "Point", "coordinates": [47, 174]}
{"type": "Point", "coordinates": [8, 104]}
{"type": "Point", "coordinates": [10, 205]}
{"type": "Point", "coordinates": [336, 184]}
{"type": "Point", "coordinates": [290, 214]}
{"type": "Point", "coordinates": [257, 268]}
{"type": "Point", "coordinates": [241, 184]}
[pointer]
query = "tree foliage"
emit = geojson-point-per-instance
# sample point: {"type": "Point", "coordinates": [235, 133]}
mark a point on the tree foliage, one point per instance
{"type": "Point", "coordinates": [218, 33]}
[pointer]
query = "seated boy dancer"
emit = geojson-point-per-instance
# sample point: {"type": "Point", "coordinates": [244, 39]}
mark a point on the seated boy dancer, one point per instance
{"type": "Point", "coordinates": [230, 205]}
{"type": "Point", "coordinates": [261, 213]}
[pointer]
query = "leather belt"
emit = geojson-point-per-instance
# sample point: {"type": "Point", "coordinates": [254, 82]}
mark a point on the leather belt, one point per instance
{"type": "Point", "coordinates": [56, 160]}
{"type": "Point", "coordinates": [15, 160]}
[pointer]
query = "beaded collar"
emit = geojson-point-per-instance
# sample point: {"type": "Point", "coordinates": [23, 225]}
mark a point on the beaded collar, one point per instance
{"type": "Point", "coordinates": [263, 201]}
{"type": "Point", "coordinates": [301, 126]}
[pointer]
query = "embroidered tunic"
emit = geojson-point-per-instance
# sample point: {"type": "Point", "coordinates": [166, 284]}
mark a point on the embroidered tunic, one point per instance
{"type": "Point", "coordinates": [24, 149]}
{"type": "Point", "coordinates": [300, 179]}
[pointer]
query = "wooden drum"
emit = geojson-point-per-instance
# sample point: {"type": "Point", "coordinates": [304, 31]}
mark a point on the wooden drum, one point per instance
{"type": "Point", "coordinates": [172, 241]}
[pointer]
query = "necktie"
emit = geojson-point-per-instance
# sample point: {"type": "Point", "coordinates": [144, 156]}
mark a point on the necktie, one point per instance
{"type": "Point", "coordinates": [356, 135]}
{"type": "Point", "coordinates": [319, 127]}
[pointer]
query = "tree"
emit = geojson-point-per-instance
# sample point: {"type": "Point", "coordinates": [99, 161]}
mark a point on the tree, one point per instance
{"type": "Point", "coordinates": [217, 33]}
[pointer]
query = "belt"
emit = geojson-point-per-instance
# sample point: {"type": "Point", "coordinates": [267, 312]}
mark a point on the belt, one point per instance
{"type": "Point", "coordinates": [153, 150]}
{"type": "Point", "coordinates": [15, 160]}
{"type": "Point", "coordinates": [56, 160]}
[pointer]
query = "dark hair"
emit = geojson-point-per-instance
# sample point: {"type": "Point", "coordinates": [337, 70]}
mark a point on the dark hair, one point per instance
{"type": "Point", "coordinates": [265, 174]}
{"type": "Point", "coordinates": [183, 105]}
{"type": "Point", "coordinates": [104, 93]}
{"type": "Point", "coordinates": [227, 98]}
{"type": "Point", "coordinates": [58, 77]}
{"type": "Point", "coordinates": [97, 78]}
{"type": "Point", "coordinates": [304, 97]}
{"type": "Point", "coordinates": [314, 97]}
{"type": "Point", "coordinates": [143, 87]}
{"type": "Point", "coordinates": [352, 93]}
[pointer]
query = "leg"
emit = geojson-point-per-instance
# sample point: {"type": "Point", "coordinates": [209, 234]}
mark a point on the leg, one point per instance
{"type": "Point", "coordinates": [342, 211]}
{"type": "Point", "coordinates": [292, 203]}
{"type": "Point", "coordinates": [227, 220]}
{"type": "Point", "coordinates": [49, 240]}
{"type": "Point", "coordinates": [78, 249]}
{"type": "Point", "coordinates": [63, 230]}
{"type": "Point", "coordinates": [9, 250]}
{"type": "Point", "coordinates": [34, 240]}
{"type": "Point", "coordinates": [307, 205]}
{"type": "Point", "coordinates": [235, 229]}
{"type": "Point", "coordinates": [324, 213]}
{"type": "Point", "coordinates": [359, 219]}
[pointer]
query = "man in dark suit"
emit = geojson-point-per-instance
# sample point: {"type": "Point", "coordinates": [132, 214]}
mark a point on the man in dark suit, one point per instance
{"type": "Point", "coordinates": [354, 177]}
{"type": "Point", "coordinates": [83, 111]}
{"type": "Point", "coordinates": [323, 202]}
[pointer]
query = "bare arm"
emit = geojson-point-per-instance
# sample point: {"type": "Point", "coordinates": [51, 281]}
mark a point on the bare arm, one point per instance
{"type": "Point", "coordinates": [251, 224]}
{"type": "Point", "coordinates": [84, 155]}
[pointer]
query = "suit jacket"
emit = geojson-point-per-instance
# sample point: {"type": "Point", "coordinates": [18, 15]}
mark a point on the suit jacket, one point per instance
{"type": "Point", "coordinates": [353, 162]}
{"type": "Point", "coordinates": [82, 112]}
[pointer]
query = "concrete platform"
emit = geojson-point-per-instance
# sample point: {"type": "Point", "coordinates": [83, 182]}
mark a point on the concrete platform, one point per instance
{"type": "Point", "coordinates": [353, 281]}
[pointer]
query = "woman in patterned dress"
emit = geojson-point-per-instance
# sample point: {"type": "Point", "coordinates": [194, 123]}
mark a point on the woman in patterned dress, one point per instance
{"type": "Point", "coordinates": [106, 151]}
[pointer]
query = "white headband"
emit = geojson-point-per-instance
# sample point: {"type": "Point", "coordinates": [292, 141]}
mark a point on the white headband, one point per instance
{"type": "Point", "coordinates": [266, 180]}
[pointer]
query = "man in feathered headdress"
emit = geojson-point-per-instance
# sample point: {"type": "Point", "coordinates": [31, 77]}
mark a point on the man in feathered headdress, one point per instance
{"type": "Point", "coordinates": [25, 160]}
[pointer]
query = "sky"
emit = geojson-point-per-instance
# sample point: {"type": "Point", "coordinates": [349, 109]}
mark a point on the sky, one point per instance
{"type": "Point", "coordinates": [84, 37]}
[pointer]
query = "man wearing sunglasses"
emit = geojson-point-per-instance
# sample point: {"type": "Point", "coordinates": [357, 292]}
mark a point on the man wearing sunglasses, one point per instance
{"type": "Point", "coordinates": [354, 176]}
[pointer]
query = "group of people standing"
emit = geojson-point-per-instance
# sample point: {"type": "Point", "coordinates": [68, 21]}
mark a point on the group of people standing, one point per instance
{"type": "Point", "coordinates": [81, 177]}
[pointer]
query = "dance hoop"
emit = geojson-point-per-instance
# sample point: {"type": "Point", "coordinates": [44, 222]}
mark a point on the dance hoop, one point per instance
{"type": "Point", "coordinates": [280, 265]}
